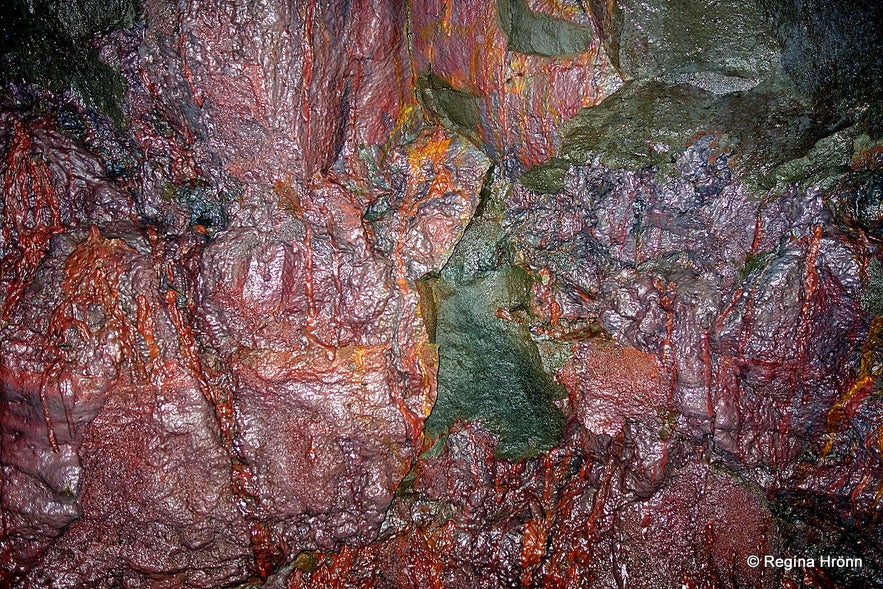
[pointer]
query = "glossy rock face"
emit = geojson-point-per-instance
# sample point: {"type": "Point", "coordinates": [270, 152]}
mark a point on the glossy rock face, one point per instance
{"type": "Point", "coordinates": [465, 294]}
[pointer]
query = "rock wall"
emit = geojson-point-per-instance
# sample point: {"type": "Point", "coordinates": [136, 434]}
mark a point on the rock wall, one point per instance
{"type": "Point", "coordinates": [473, 294]}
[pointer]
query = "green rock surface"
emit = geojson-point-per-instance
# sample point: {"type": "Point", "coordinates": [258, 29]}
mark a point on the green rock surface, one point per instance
{"type": "Point", "coordinates": [455, 109]}
{"type": "Point", "coordinates": [46, 43]}
{"type": "Point", "coordinates": [729, 68]}
{"type": "Point", "coordinates": [490, 369]}
{"type": "Point", "coordinates": [831, 49]}
{"type": "Point", "coordinates": [540, 34]}
{"type": "Point", "coordinates": [775, 137]}
{"type": "Point", "coordinates": [872, 291]}
{"type": "Point", "coordinates": [718, 45]}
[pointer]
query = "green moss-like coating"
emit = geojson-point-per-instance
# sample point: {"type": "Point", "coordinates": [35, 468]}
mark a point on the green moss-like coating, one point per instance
{"type": "Point", "coordinates": [490, 369]}
{"type": "Point", "coordinates": [540, 34]}
{"type": "Point", "coordinates": [306, 560]}
{"type": "Point", "coordinates": [46, 43]}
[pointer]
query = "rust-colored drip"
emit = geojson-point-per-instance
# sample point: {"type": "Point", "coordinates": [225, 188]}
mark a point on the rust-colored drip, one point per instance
{"type": "Point", "coordinates": [669, 357]}
{"type": "Point", "coordinates": [810, 286]}
{"type": "Point", "coordinates": [188, 75]}
{"type": "Point", "coordinates": [307, 74]}
{"type": "Point", "coordinates": [267, 552]}
{"type": "Point", "coordinates": [707, 376]}
{"type": "Point", "coordinates": [865, 383]}
{"type": "Point", "coordinates": [146, 327]}
{"type": "Point", "coordinates": [288, 199]}
{"type": "Point", "coordinates": [91, 279]}
{"type": "Point", "coordinates": [312, 318]}
{"type": "Point", "coordinates": [432, 153]}
{"type": "Point", "coordinates": [30, 216]}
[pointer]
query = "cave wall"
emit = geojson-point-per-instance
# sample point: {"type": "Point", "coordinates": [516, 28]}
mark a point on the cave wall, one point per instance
{"type": "Point", "coordinates": [473, 294]}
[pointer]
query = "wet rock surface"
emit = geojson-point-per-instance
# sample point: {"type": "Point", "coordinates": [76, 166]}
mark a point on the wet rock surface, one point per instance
{"type": "Point", "coordinates": [472, 294]}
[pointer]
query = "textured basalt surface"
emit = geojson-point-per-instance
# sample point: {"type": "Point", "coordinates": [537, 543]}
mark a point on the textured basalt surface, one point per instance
{"type": "Point", "coordinates": [487, 293]}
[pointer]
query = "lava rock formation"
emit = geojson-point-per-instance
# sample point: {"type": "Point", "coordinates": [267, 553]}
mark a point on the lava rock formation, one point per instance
{"type": "Point", "coordinates": [486, 293]}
